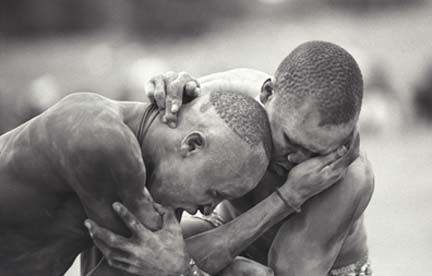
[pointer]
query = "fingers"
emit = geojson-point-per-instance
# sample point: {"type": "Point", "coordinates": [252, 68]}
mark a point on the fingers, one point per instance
{"type": "Point", "coordinates": [130, 220]}
{"type": "Point", "coordinates": [176, 88]}
{"type": "Point", "coordinates": [192, 89]}
{"type": "Point", "coordinates": [111, 254]}
{"type": "Point", "coordinates": [159, 90]}
{"type": "Point", "coordinates": [123, 266]}
{"type": "Point", "coordinates": [150, 91]}
{"type": "Point", "coordinates": [104, 235]}
{"type": "Point", "coordinates": [331, 157]}
{"type": "Point", "coordinates": [297, 157]}
{"type": "Point", "coordinates": [167, 91]}
{"type": "Point", "coordinates": [351, 155]}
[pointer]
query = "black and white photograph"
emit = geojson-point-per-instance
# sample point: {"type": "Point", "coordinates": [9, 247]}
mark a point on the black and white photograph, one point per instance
{"type": "Point", "coordinates": [215, 138]}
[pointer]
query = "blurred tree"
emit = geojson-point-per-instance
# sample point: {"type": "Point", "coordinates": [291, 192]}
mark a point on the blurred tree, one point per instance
{"type": "Point", "coordinates": [163, 17]}
{"type": "Point", "coordinates": [182, 17]}
{"type": "Point", "coordinates": [371, 4]}
{"type": "Point", "coordinates": [27, 17]}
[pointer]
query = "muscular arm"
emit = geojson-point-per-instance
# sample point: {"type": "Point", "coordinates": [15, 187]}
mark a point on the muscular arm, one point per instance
{"type": "Point", "coordinates": [241, 80]}
{"type": "Point", "coordinates": [102, 163]}
{"type": "Point", "coordinates": [308, 243]}
{"type": "Point", "coordinates": [118, 175]}
{"type": "Point", "coordinates": [224, 243]}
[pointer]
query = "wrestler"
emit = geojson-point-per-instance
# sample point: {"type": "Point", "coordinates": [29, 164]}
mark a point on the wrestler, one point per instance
{"type": "Point", "coordinates": [313, 108]}
{"type": "Point", "coordinates": [86, 152]}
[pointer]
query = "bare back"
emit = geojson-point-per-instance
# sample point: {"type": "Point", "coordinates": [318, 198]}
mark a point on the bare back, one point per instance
{"type": "Point", "coordinates": [43, 188]}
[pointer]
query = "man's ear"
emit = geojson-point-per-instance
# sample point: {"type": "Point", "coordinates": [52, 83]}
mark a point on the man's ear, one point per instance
{"type": "Point", "coordinates": [266, 91]}
{"type": "Point", "coordinates": [192, 143]}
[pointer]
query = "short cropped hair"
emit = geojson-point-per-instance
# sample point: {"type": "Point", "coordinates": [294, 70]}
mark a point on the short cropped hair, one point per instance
{"type": "Point", "coordinates": [326, 73]}
{"type": "Point", "coordinates": [245, 116]}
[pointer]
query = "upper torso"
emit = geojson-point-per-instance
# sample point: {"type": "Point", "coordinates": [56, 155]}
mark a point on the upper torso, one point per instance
{"type": "Point", "coordinates": [41, 216]}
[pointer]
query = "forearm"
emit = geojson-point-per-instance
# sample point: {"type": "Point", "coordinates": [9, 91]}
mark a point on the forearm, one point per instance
{"type": "Point", "coordinates": [215, 249]}
{"type": "Point", "coordinates": [241, 80]}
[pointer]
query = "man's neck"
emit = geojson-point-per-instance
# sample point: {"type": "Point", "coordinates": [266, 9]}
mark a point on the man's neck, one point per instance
{"type": "Point", "coordinates": [132, 113]}
{"type": "Point", "coordinates": [135, 116]}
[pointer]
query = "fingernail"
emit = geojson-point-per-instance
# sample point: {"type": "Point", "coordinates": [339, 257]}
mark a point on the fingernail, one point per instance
{"type": "Point", "coordinates": [116, 206]}
{"type": "Point", "coordinates": [164, 119]}
{"type": "Point", "coordinates": [172, 124]}
{"type": "Point", "coordinates": [87, 224]}
{"type": "Point", "coordinates": [174, 108]}
{"type": "Point", "coordinates": [290, 158]}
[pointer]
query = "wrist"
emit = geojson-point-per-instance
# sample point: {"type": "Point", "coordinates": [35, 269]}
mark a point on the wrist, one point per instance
{"type": "Point", "coordinates": [192, 269]}
{"type": "Point", "coordinates": [291, 197]}
{"type": "Point", "coordinates": [289, 202]}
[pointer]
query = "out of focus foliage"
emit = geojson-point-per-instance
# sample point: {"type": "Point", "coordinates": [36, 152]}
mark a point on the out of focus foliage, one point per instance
{"type": "Point", "coordinates": [371, 4]}
{"type": "Point", "coordinates": [179, 17]}
{"type": "Point", "coordinates": [49, 48]}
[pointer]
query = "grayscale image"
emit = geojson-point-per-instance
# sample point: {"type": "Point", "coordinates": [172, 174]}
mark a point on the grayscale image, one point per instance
{"type": "Point", "coordinates": [215, 138]}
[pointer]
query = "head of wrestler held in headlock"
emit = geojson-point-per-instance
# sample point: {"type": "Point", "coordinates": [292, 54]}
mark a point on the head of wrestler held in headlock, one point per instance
{"type": "Point", "coordinates": [219, 150]}
{"type": "Point", "coordinates": [313, 102]}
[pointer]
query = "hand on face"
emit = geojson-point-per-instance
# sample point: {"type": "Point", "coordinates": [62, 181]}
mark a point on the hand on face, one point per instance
{"type": "Point", "coordinates": [146, 252]}
{"type": "Point", "coordinates": [318, 173]}
{"type": "Point", "coordinates": [169, 90]}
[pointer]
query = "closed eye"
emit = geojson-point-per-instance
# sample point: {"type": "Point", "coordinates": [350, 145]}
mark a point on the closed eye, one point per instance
{"type": "Point", "coordinates": [291, 143]}
{"type": "Point", "coordinates": [298, 147]}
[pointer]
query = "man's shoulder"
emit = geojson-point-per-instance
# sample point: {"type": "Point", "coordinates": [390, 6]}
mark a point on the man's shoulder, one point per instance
{"type": "Point", "coordinates": [360, 177]}
{"type": "Point", "coordinates": [360, 174]}
{"type": "Point", "coordinates": [90, 125]}
{"type": "Point", "coordinates": [81, 104]}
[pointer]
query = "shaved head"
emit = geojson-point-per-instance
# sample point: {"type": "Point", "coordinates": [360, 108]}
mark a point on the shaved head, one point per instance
{"type": "Point", "coordinates": [245, 116]}
{"type": "Point", "coordinates": [327, 75]}
{"type": "Point", "coordinates": [220, 150]}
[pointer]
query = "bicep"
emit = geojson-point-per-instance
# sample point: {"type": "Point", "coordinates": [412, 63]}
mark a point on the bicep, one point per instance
{"type": "Point", "coordinates": [111, 171]}
{"type": "Point", "coordinates": [108, 169]}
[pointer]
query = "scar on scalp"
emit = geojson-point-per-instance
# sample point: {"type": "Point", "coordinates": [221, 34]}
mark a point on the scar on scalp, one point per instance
{"type": "Point", "coordinates": [205, 106]}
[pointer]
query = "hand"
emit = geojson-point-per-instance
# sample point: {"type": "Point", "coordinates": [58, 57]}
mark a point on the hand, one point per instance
{"type": "Point", "coordinates": [169, 90]}
{"type": "Point", "coordinates": [145, 253]}
{"type": "Point", "coordinates": [318, 173]}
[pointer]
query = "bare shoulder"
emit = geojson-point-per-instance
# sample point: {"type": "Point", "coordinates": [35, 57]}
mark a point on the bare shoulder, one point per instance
{"type": "Point", "coordinates": [361, 177]}
{"type": "Point", "coordinates": [89, 127]}
{"type": "Point", "coordinates": [361, 174]}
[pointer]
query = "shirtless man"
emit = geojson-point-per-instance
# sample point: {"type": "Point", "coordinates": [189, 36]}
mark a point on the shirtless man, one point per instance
{"type": "Point", "coordinates": [313, 109]}
{"type": "Point", "coordinates": [75, 160]}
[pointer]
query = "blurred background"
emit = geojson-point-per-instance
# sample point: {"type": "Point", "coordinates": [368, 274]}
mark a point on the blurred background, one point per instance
{"type": "Point", "coordinates": [49, 48]}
